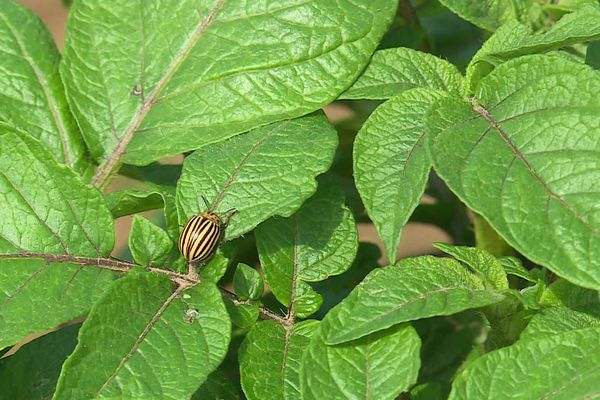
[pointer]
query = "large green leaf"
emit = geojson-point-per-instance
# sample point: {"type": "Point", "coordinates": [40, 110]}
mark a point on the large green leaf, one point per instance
{"type": "Point", "coordinates": [47, 217]}
{"type": "Point", "coordinates": [32, 372]}
{"type": "Point", "coordinates": [414, 288]}
{"type": "Point", "coordinates": [392, 71]}
{"type": "Point", "coordinates": [32, 97]}
{"type": "Point", "coordinates": [379, 366]}
{"type": "Point", "coordinates": [565, 366]}
{"type": "Point", "coordinates": [268, 171]}
{"type": "Point", "coordinates": [270, 360]}
{"type": "Point", "coordinates": [525, 155]}
{"type": "Point", "coordinates": [489, 14]}
{"type": "Point", "coordinates": [514, 40]}
{"type": "Point", "coordinates": [391, 164]}
{"type": "Point", "coordinates": [147, 80]}
{"type": "Point", "coordinates": [146, 339]}
{"type": "Point", "coordinates": [318, 241]}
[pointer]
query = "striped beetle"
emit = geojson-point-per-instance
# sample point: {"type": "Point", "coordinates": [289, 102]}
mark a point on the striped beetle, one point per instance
{"type": "Point", "coordinates": [202, 234]}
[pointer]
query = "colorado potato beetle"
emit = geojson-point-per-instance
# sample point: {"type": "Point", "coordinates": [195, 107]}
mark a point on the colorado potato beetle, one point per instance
{"type": "Point", "coordinates": [202, 234]}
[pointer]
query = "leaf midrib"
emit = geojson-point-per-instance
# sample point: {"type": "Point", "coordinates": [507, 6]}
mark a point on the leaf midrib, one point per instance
{"type": "Point", "coordinates": [140, 339]}
{"type": "Point", "coordinates": [422, 297]}
{"type": "Point", "coordinates": [484, 113]}
{"type": "Point", "coordinates": [110, 164]}
{"type": "Point", "coordinates": [45, 88]}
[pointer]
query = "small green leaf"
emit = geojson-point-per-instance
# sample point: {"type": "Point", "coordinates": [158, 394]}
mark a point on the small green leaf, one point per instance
{"type": "Point", "coordinates": [158, 79]}
{"type": "Point", "coordinates": [514, 266]}
{"type": "Point", "coordinates": [132, 201]}
{"type": "Point", "coordinates": [391, 164]}
{"type": "Point", "coordinates": [562, 366]}
{"type": "Point", "coordinates": [270, 360]}
{"type": "Point", "coordinates": [414, 288]}
{"type": "Point", "coordinates": [143, 324]}
{"type": "Point", "coordinates": [247, 282]}
{"type": "Point", "coordinates": [379, 366]}
{"type": "Point", "coordinates": [242, 315]}
{"type": "Point", "coordinates": [215, 269]}
{"type": "Point", "coordinates": [524, 155]}
{"type": "Point", "coordinates": [318, 241]}
{"type": "Point", "coordinates": [32, 372]}
{"type": "Point", "coordinates": [429, 391]}
{"type": "Point", "coordinates": [555, 320]}
{"type": "Point", "coordinates": [218, 387]}
{"type": "Point", "coordinates": [148, 243]}
{"type": "Point", "coordinates": [392, 71]}
{"type": "Point", "coordinates": [592, 55]}
{"type": "Point", "coordinates": [268, 171]}
{"type": "Point", "coordinates": [489, 14]}
{"type": "Point", "coordinates": [33, 97]}
{"type": "Point", "coordinates": [480, 261]}
{"type": "Point", "coordinates": [513, 40]}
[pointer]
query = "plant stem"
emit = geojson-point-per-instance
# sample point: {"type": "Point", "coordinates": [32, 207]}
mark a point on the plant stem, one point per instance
{"type": "Point", "coordinates": [183, 280]}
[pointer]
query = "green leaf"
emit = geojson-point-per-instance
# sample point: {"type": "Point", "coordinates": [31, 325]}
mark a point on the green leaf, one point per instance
{"type": "Point", "coordinates": [318, 241]}
{"type": "Point", "coordinates": [555, 320]}
{"type": "Point", "coordinates": [514, 40]}
{"type": "Point", "coordinates": [45, 207]}
{"type": "Point", "coordinates": [336, 288]}
{"type": "Point", "coordinates": [48, 217]}
{"type": "Point", "coordinates": [592, 55]}
{"type": "Point", "coordinates": [524, 156]}
{"type": "Point", "coordinates": [391, 164]}
{"type": "Point", "coordinates": [242, 315]}
{"type": "Point", "coordinates": [38, 294]}
{"type": "Point", "coordinates": [132, 201]}
{"type": "Point", "coordinates": [447, 343]}
{"type": "Point", "coordinates": [215, 269]}
{"type": "Point", "coordinates": [487, 266]}
{"type": "Point", "coordinates": [564, 294]}
{"type": "Point", "coordinates": [218, 387]}
{"type": "Point", "coordinates": [33, 97]}
{"type": "Point", "coordinates": [31, 373]}
{"type": "Point", "coordinates": [513, 266]}
{"type": "Point", "coordinates": [163, 342]}
{"type": "Point", "coordinates": [270, 360]}
{"type": "Point", "coordinates": [413, 288]}
{"type": "Point", "coordinates": [392, 71]}
{"type": "Point", "coordinates": [562, 366]}
{"type": "Point", "coordinates": [379, 366]}
{"type": "Point", "coordinates": [148, 243]}
{"type": "Point", "coordinates": [429, 391]}
{"type": "Point", "coordinates": [268, 171]}
{"type": "Point", "coordinates": [158, 79]}
{"type": "Point", "coordinates": [247, 282]}
{"type": "Point", "coordinates": [489, 14]}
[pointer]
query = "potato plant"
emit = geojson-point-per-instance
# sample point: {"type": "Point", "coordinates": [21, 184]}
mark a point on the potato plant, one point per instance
{"type": "Point", "coordinates": [489, 109]}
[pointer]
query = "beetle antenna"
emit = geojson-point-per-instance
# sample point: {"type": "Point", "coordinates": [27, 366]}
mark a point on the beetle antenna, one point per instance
{"type": "Point", "coordinates": [206, 202]}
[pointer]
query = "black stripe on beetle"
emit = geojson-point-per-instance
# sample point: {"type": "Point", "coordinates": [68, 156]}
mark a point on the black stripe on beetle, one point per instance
{"type": "Point", "coordinates": [200, 237]}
